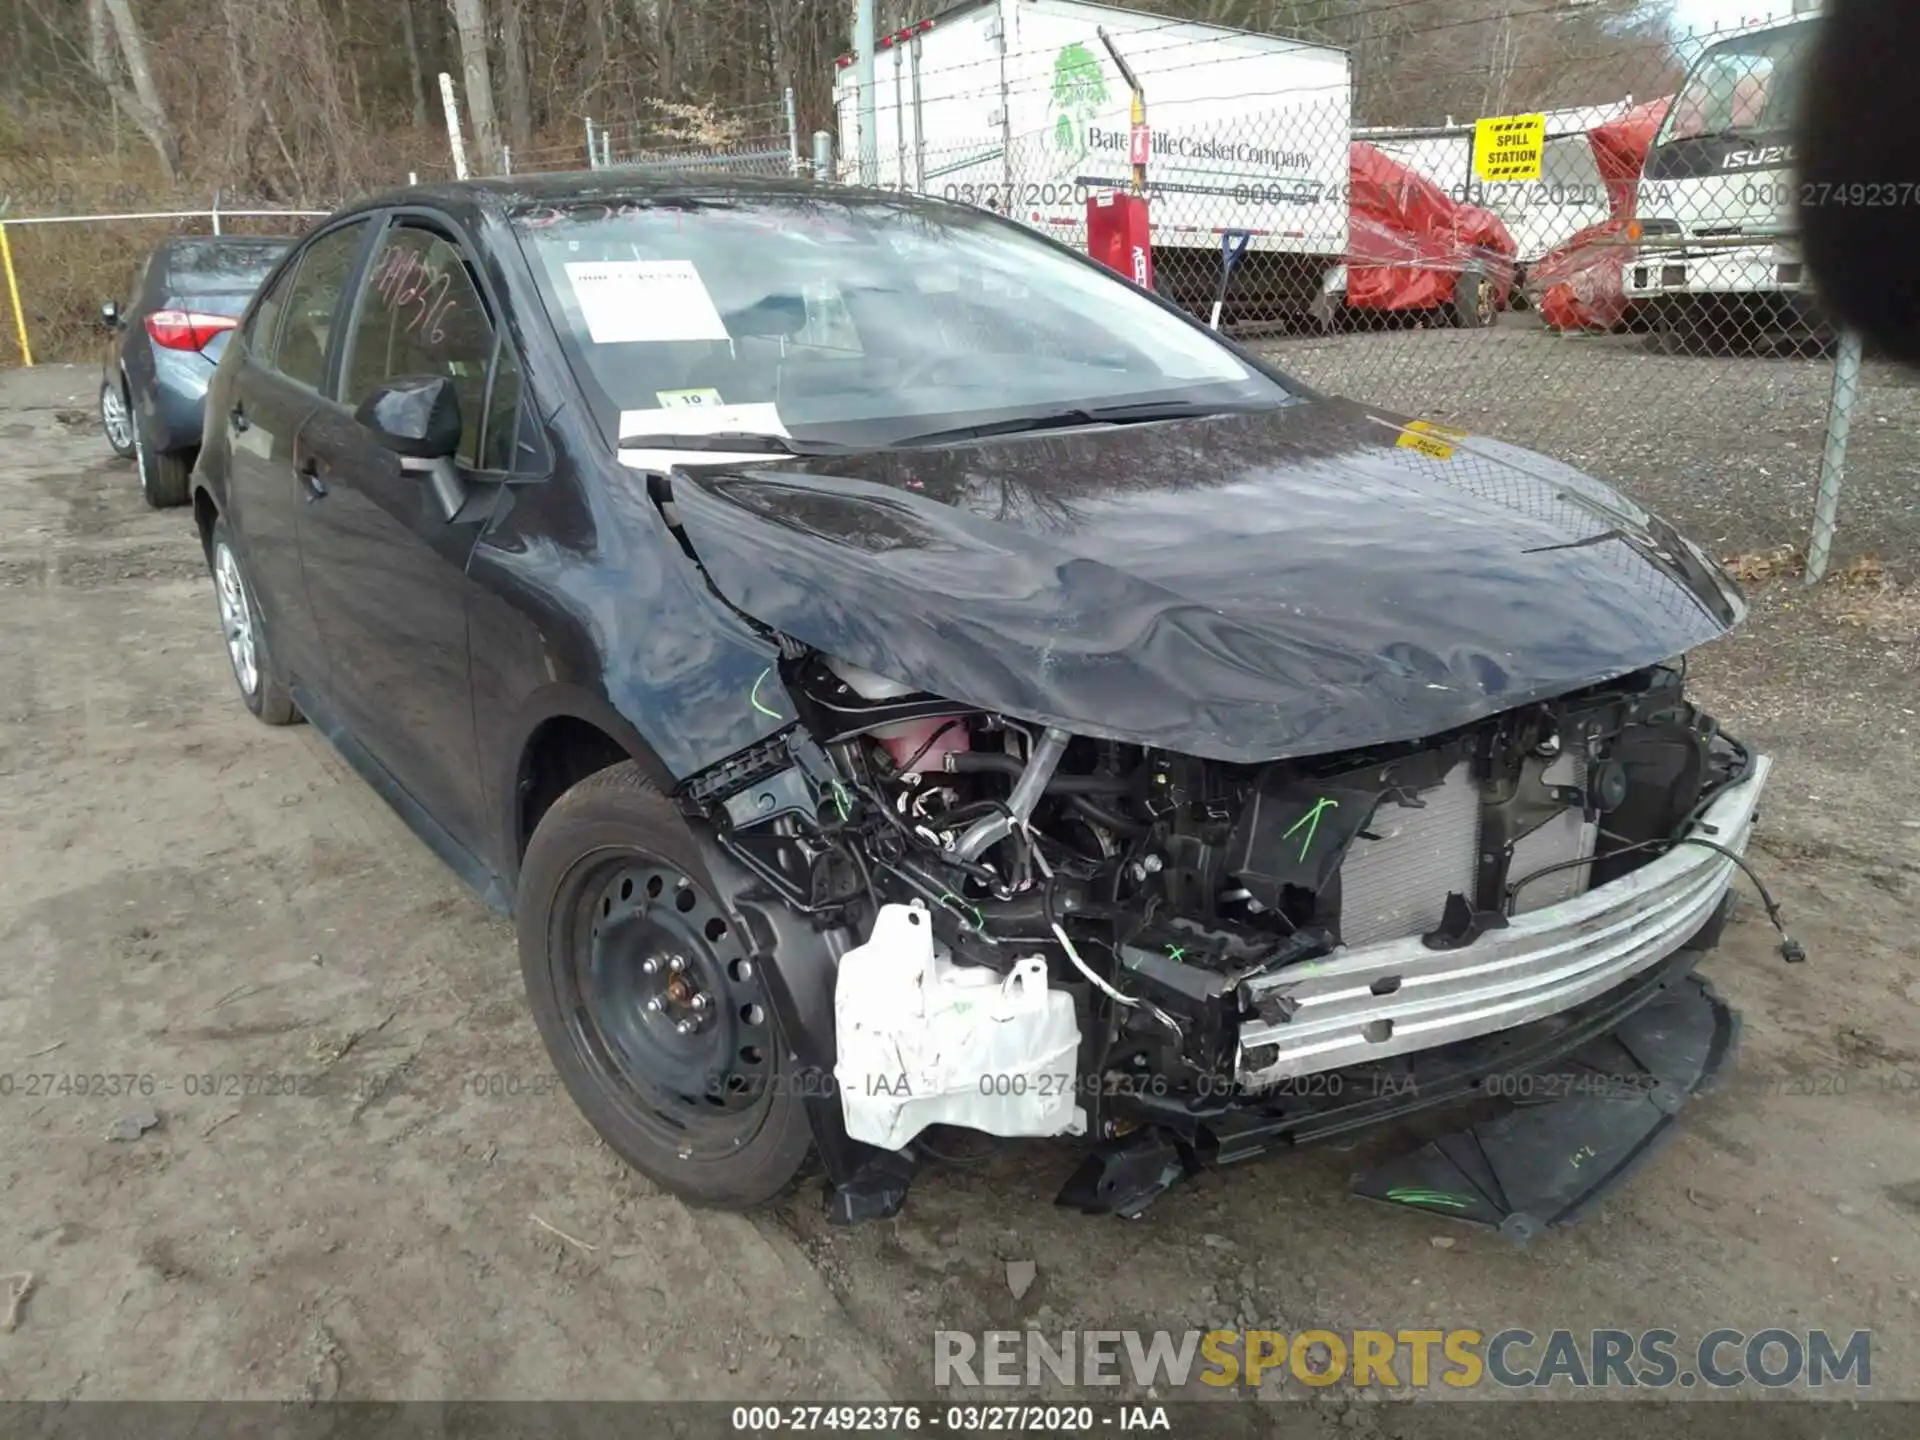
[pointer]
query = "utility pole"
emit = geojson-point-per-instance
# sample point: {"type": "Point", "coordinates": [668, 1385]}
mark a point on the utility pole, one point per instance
{"type": "Point", "coordinates": [863, 42]}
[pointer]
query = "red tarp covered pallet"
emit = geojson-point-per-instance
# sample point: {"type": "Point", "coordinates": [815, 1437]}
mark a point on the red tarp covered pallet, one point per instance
{"type": "Point", "coordinates": [1579, 284]}
{"type": "Point", "coordinates": [1409, 239]}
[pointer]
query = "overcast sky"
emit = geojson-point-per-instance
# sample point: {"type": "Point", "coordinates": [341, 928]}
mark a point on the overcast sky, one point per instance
{"type": "Point", "coordinates": [1705, 14]}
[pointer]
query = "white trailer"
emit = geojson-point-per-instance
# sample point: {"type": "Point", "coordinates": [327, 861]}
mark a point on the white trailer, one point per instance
{"type": "Point", "coordinates": [1016, 105]}
{"type": "Point", "coordinates": [1718, 235]}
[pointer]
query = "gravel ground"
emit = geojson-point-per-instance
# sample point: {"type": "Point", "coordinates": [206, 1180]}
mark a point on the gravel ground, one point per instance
{"type": "Point", "coordinates": [1726, 446]}
{"type": "Point", "coordinates": [189, 894]}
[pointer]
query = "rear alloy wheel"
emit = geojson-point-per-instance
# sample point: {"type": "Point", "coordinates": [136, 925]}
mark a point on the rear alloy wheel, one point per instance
{"type": "Point", "coordinates": [116, 418]}
{"type": "Point", "coordinates": [651, 1006]}
{"type": "Point", "coordinates": [164, 474]}
{"type": "Point", "coordinates": [1326, 314]}
{"type": "Point", "coordinates": [261, 686]}
{"type": "Point", "coordinates": [1476, 300]}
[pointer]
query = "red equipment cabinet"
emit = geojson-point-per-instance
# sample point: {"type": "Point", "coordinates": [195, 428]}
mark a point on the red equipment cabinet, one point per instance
{"type": "Point", "coordinates": [1117, 235]}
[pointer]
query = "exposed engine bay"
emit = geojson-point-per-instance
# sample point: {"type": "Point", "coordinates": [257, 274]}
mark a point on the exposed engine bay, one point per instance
{"type": "Point", "coordinates": [1169, 898]}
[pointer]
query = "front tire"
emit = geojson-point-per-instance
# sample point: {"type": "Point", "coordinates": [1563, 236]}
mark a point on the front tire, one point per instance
{"type": "Point", "coordinates": [648, 1000]}
{"type": "Point", "coordinates": [262, 687]}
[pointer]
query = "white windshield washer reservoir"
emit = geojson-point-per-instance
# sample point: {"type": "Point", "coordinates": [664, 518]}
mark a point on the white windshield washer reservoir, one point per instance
{"type": "Point", "coordinates": [923, 1041]}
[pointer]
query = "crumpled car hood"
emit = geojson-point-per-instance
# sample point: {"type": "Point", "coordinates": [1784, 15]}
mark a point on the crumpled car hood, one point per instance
{"type": "Point", "coordinates": [1249, 587]}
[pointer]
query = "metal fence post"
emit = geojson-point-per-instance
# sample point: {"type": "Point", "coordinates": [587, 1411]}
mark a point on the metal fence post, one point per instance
{"type": "Point", "coordinates": [863, 70]}
{"type": "Point", "coordinates": [606, 148]}
{"type": "Point", "coordinates": [822, 155]}
{"type": "Point", "coordinates": [506, 160]}
{"type": "Point", "coordinates": [214, 213]}
{"type": "Point", "coordinates": [593, 156]}
{"type": "Point", "coordinates": [13, 291]}
{"type": "Point", "coordinates": [454, 142]}
{"type": "Point", "coordinates": [1833, 455]}
{"type": "Point", "coordinates": [793, 132]}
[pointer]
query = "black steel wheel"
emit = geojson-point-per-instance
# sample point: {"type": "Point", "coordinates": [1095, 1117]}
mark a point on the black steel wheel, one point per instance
{"type": "Point", "coordinates": [650, 1005]}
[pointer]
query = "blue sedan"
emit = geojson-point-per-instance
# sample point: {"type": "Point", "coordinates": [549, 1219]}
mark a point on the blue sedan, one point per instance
{"type": "Point", "coordinates": [186, 297]}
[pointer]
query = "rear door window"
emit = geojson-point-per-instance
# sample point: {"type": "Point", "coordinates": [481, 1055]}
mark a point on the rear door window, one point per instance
{"type": "Point", "coordinates": [262, 329]}
{"type": "Point", "coordinates": [306, 324]}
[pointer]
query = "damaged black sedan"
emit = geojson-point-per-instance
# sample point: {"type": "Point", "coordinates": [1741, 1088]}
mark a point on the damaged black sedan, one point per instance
{"type": "Point", "coordinates": [898, 674]}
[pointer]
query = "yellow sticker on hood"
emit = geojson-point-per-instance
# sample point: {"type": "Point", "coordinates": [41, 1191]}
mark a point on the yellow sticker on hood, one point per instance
{"type": "Point", "coordinates": [1431, 440]}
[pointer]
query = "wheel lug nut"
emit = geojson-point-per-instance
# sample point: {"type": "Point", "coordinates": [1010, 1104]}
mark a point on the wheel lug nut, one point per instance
{"type": "Point", "coordinates": [649, 965]}
{"type": "Point", "coordinates": [699, 1002]}
{"type": "Point", "coordinates": [685, 1027]}
{"type": "Point", "coordinates": [676, 964]}
{"type": "Point", "coordinates": [654, 1004]}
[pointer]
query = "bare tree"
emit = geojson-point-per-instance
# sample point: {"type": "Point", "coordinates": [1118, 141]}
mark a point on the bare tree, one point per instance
{"type": "Point", "coordinates": [114, 38]}
{"type": "Point", "coordinates": [416, 75]}
{"type": "Point", "coordinates": [595, 62]}
{"type": "Point", "coordinates": [241, 96]}
{"type": "Point", "coordinates": [513, 50]}
{"type": "Point", "coordinates": [470, 16]}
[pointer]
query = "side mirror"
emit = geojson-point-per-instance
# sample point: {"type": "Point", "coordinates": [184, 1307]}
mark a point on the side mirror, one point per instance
{"type": "Point", "coordinates": [772, 317]}
{"type": "Point", "coordinates": [418, 419]}
{"type": "Point", "coordinates": [110, 315]}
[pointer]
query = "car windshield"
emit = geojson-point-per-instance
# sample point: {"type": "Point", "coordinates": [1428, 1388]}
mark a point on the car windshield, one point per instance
{"type": "Point", "coordinates": [857, 320]}
{"type": "Point", "coordinates": [222, 267]}
{"type": "Point", "coordinates": [1747, 85]}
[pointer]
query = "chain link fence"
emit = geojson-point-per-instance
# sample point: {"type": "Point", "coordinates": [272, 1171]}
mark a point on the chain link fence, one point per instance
{"type": "Point", "coordinates": [740, 140]}
{"type": "Point", "coordinates": [56, 271]}
{"type": "Point", "coordinates": [1589, 249]}
{"type": "Point", "coordinates": [1610, 274]}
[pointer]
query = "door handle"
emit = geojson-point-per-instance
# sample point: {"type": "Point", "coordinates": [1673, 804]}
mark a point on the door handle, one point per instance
{"type": "Point", "coordinates": [310, 475]}
{"type": "Point", "coordinates": [238, 416]}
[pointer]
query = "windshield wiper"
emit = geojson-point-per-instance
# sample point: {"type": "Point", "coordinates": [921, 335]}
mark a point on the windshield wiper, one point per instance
{"type": "Point", "coordinates": [1728, 132]}
{"type": "Point", "coordinates": [745, 441]}
{"type": "Point", "coordinates": [1143, 412]}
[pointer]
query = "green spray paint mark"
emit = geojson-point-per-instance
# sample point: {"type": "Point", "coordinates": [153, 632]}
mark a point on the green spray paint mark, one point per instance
{"type": "Point", "coordinates": [979, 920]}
{"type": "Point", "coordinates": [1439, 1199]}
{"type": "Point", "coordinates": [840, 800]}
{"type": "Point", "coordinates": [1175, 952]}
{"type": "Point", "coordinates": [754, 696]}
{"type": "Point", "coordinates": [1312, 821]}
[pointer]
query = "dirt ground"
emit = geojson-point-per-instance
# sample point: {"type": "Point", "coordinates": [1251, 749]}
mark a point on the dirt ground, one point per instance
{"type": "Point", "coordinates": [200, 915]}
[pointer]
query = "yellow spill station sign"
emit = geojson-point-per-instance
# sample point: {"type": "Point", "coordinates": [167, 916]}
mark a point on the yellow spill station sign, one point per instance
{"type": "Point", "coordinates": [1509, 147]}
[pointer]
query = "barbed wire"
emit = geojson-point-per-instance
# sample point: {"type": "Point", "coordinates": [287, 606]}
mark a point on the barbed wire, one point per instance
{"type": "Point", "coordinates": [1677, 44]}
{"type": "Point", "coordinates": [1678, 41]}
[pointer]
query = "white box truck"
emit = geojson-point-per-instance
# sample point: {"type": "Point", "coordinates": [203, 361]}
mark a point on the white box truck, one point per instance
{"type": "Point", "coordinates": [1719, 253]}
{"type": "Point", "coordinates": [1017, 105]}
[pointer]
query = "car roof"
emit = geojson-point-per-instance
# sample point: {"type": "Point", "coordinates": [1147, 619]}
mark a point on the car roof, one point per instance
{"type": "Point", "coordinates": [188, 242]}
{"type": "Point", "coordinates": [508, 195]}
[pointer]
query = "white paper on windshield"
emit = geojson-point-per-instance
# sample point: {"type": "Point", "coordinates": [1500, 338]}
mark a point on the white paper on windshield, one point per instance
{"type": "Point", "coordinates": [644, 300]}
{"type": "Point", "coordinates": [687, 399]}
{"type": "Point", "coordinates": [715, 420]}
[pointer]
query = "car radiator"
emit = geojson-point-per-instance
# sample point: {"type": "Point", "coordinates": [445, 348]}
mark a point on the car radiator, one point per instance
{"type": "Point", "coordinates": [1398, 873]}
